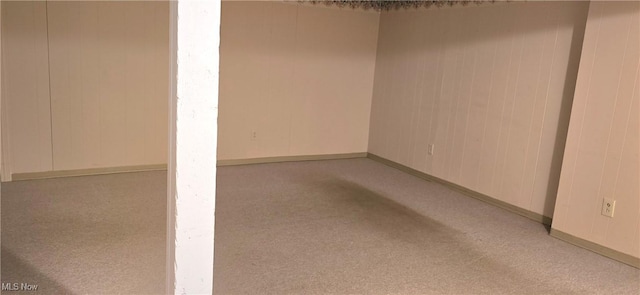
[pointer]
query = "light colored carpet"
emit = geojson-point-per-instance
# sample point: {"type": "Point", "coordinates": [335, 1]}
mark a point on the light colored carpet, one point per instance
{"type": "Point", "coordinates": [359, 227]}
{"type": "Point", "coordinates": [86, 235]}
{"type": "Point", "coordinates": [325, 227]}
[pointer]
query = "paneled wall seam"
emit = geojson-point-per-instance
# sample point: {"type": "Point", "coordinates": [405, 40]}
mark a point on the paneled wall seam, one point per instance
{"type": "Point", "coordinates": [513, 106]}
{"type": "Point", "coordinates": [624, 141]}
{"type": "Point", "coordinates": [486, 113]}
{"type": "Point", "coordinates": [544, 113]}
{"type": "Point", "coordinates": [593, 60]}
{"type": "Point", "coordinates": [435, 106]}
{"type": "Point", "coordinates": [502, 115]}
{"type": "Point", "coordinates": [454, 107]}
{"type": "Point", "coordinates": [466, 125]}
{"type": "Point", "coordinates": [414, 121]}
{"type": "Point", "coordinates": [49, 77]}
{"type": "Point", "coordinates": [4, 123]}
{"type": "Point", "coordinates": [293, 73]}
{"type": "Point", "coordinates": [413, 128]}
{"type": "Point", "coordinates": [535, 99]}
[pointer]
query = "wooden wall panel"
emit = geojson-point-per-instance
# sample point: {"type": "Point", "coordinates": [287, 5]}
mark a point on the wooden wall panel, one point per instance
{"type": "Point", "coordinates": [299, 76]}
{"type": "Point", "coordinates": [601, 158]}
{"type": "Point", "coordinates": [86, 85]}
{"type": "Point", "coordinates": [109, 83]}
{"type": "Point", "coordinates": [487, 85]}
{"type": "Point", "coordinates": [25, 97]}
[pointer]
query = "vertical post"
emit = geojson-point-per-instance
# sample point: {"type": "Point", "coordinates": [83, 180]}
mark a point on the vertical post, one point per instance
{"type": "Point", "coordinates": [195, 37]}
{"type": "Point", "coordinates": [171, 161]}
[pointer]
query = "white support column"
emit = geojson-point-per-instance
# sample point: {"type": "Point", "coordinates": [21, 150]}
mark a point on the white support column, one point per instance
{"type": "Point", "coordinates": [171, 162]}
{"type": "Point", "coordinates": [195, 34]}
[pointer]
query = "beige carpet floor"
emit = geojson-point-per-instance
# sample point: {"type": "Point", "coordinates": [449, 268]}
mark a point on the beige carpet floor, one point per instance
{"type": "Point", "coordinates": [324, 227]}
{"type": "Point", "coordinates": [86, 235]}
{"type": "Point", "coordinates": [359, 227]}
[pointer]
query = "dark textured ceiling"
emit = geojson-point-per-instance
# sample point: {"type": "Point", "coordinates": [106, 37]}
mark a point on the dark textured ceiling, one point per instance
{"type": "Point", "coordinates": [390, 4]}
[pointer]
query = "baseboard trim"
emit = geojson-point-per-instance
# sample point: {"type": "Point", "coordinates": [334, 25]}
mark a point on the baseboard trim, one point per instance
{"type": "Point", "coordinates": [86, 172]}
{"type": "Point", "coordinates": [265, 160]}
{"type": "Point", "coordinates": [471, 193]}
{"type": "Point", "coordinates": [599, 249]}
{"type": "Point", "coordinates": [582, 243]}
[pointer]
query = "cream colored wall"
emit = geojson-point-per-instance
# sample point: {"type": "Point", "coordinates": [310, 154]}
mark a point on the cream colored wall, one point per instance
{"type": "Point", "coordinates": [104, 103]}
{"type": "Point", "coordinates": [601, 156]}
{"type": "Point", "coordinates": [300, 76]}
{"type": "Point", "coordinates": [109, 83]}
{"type": "Point", "coordinates": [310, 71]}
{"type": "Point", "coordinates": [26, 105]}
{"type": "Point", "coordinates": [490, 86]}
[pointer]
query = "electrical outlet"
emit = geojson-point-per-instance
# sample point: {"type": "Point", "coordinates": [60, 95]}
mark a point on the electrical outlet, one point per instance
{"type": "Point", "coordinates": [608, 205]}
{"type": "Point", "coordinates": [430, 150]}
{"type": "Point", "coordinates": [254, 135]}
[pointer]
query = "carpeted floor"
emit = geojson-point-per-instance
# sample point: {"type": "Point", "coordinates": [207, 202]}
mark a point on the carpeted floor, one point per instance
{"type": "Point", "coordinates": [324, 227]}
{"type": "Point", "coordinates": [86, 235]}
{"type": "Point", "coordinates": [357, 226]}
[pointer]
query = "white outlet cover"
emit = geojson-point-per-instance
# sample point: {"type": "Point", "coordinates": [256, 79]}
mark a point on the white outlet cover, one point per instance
{"type": "Point", "coordinates": [608, 207]}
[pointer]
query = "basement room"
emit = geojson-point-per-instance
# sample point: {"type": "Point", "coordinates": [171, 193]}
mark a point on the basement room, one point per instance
{"type": "Point", "coordinates": [320, 147]}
